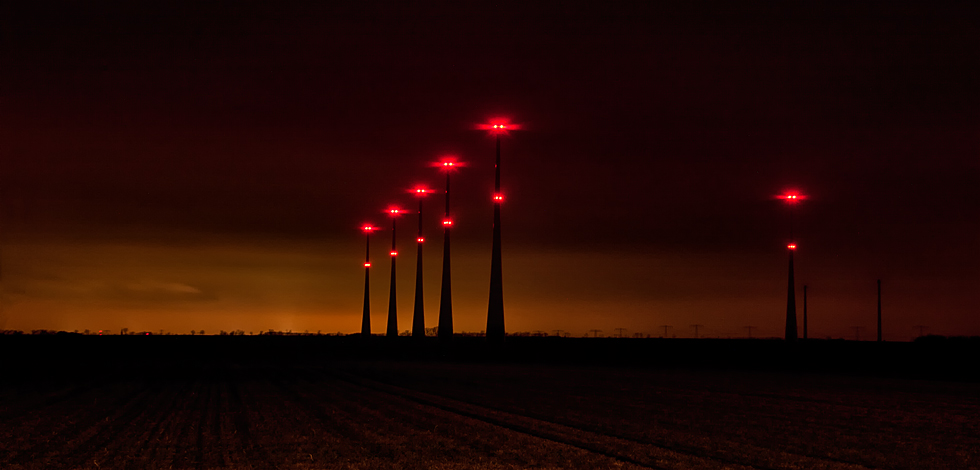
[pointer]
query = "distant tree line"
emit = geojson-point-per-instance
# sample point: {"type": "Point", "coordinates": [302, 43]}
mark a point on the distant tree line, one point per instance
{"type": "Point", "coordinates": [925, 339]}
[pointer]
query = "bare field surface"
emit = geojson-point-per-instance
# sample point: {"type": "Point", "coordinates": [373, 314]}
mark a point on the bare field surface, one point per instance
{"type": "Point", "coordinates": [720, 419]}
{"type": "Point", "coordinates": [435, 415]}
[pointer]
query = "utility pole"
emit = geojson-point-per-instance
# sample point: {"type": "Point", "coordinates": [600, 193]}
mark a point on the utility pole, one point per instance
{"type": "Point", "coordinates": [666, 327]}
{"type": "Point", "coordinates": [595, 333]}
{"type": "Point", "coordinates": [857, 333]}
{"type": "Point", "coordinates": [879, 310]}
{"type": "Point", "coordinates": [620, 331]}
{"type": "Point", "coordinates": [558, 332]}
{"type": "Point", "coordinates": [921, 329]}
{"type": "Point", "coordinates": [750, 330]}
{"type": "Point", "coordinates": [696, 329]}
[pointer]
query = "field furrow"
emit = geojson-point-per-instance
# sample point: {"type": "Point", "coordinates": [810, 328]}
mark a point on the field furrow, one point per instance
{"type": "Point", "coordinates": [448, 416]}
{"type": "Point", "coordinates": [736, 424]}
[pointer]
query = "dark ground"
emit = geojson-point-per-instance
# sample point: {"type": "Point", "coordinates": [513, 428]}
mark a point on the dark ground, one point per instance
{"type": "Point", "coordinates": [930, 357]}
{"type": "Point", "coordinates": [340, 402]}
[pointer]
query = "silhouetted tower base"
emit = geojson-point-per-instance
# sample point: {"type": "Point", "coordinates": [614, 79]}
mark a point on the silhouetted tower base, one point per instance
{"type": "Point", "coordinates": [791, 304]}
{"type": "Point", "coordinates": [418, 317]}
{"type": "Point", "coordinates": [366, 317]}
{"type": "Point", "coordinates": [495, 309]}
{"type": "Point", "coordinates": [446, 299]}
{"type": "Point", "coordinates": [392, 329]}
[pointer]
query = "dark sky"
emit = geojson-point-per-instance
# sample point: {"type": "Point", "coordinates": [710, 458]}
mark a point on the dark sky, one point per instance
{"type": "Point", "coordinates": [206, 166]}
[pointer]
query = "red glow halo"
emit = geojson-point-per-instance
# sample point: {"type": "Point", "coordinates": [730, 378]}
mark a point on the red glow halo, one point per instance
{"type": "Point", "coordinates": [498, 126]}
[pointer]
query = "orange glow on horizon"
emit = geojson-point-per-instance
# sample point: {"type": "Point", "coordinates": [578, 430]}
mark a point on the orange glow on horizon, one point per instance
{"type": "Point", "coordinates": [281, 286]}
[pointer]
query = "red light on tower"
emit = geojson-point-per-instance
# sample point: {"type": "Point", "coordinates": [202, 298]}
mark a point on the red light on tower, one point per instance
{"type": "Point", "coordinates": [367, 265]}
{"type": "Point", "coordinates": [394, 253]}
{"type": "Point", "coordinates": [446, 163]}
{"type": "Point", "coordinates": [791, 196]}
{"type": "Point", "coordinates": [791, 246]}
{"type": "Point", "coordinates": [368, 229]}
{"type": "Point", "coordinates": [447, 222]}
{"type": "Point", "coordinates": [499, 126]}
{"type": "Point", "coordinates": [420, 239]}
{"type": "Point", "coordinates": [498, 197]}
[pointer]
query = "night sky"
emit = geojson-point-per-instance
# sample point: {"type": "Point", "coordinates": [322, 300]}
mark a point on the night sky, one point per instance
{"type": "Point", "coordinates": [207, 165]}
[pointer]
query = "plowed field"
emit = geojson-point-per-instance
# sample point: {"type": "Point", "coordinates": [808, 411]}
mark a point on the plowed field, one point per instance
{"type": "Point", "coordinates": [438, 415]}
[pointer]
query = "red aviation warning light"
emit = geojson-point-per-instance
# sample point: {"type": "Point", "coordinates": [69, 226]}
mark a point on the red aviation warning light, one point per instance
{"type": "Point", "coordinates": [791, 197]}
{"type": "Point", "coordinates": [498, 197]}
{"type": "Point", "coordinates": [446, 163]}
{"type": "Point", "coordinates": [367, 265]}
{"type": "Point", "coordinates": [368, 228]}
{"type": "Point", "coordinates": [420, 239]}
{"type": "Point", "coordinates": [393, 253]}
{"type": "Point", "coordinates": [791, 246]}
{"type": "Point", "coordinates": [499, 126]}
{"type": "Point", "coordinates": [447, 222]}
{"type": "Point", "coordinates": [394, 211]}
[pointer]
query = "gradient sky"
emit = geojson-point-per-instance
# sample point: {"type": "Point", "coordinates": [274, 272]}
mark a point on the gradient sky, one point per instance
{"type": "Point", "coordinates": [206, 166]}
